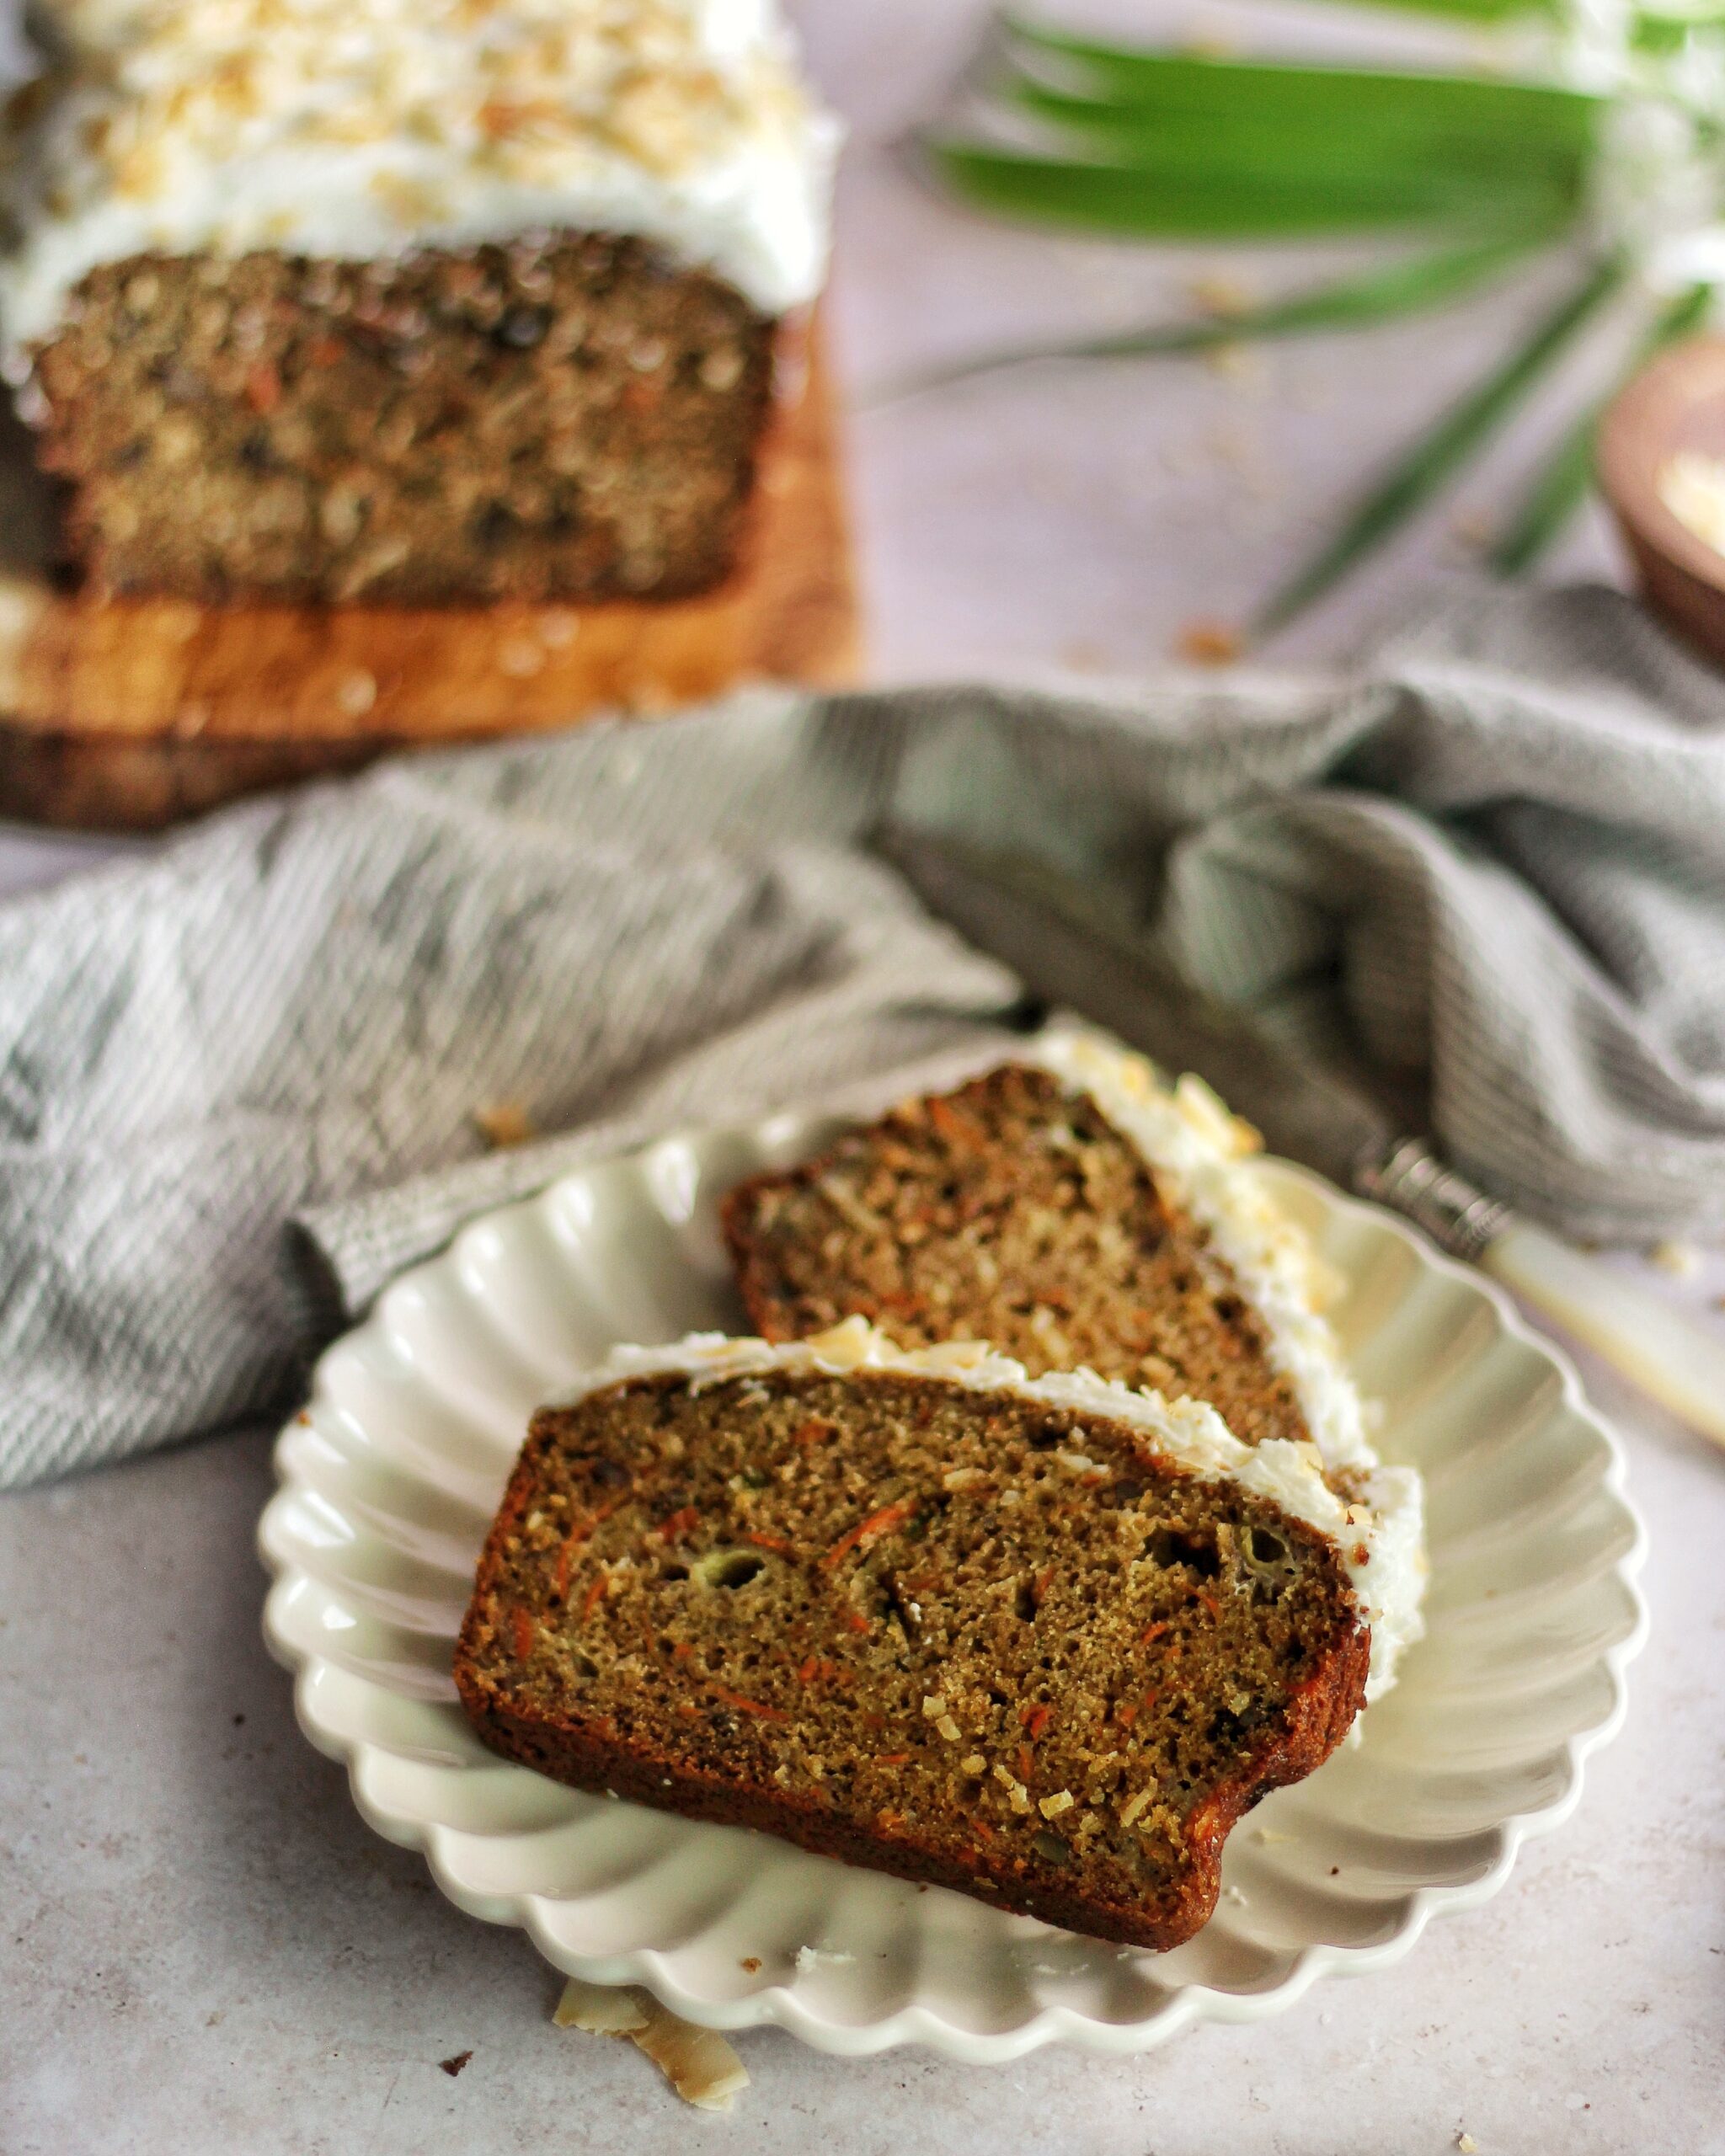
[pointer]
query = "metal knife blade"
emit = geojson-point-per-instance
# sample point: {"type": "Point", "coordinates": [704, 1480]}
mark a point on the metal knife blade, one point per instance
{"type": "Point", "coordinates": [1067, 948]}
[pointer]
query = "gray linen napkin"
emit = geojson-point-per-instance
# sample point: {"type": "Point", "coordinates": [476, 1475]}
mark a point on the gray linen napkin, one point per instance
{"type": "Point", "coordinates": [1503, 843]}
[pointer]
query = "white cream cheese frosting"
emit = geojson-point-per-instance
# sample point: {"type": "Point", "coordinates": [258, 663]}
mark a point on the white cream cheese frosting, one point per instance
{"type": "Point", "coordinates": [1195, 1147]}
{"type": "Point", "coordinates": [1379, 1535]}
{"type": "Point", "coordinates": [363, 131]}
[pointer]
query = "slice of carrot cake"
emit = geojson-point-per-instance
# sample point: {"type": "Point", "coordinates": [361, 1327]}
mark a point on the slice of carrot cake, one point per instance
{"type": "Point", "coordinates": [1078, 1211]}
{"type": "Point", "coordinates": [1040, 1640]}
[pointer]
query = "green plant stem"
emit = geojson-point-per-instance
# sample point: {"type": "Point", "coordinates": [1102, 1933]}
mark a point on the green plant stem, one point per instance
{"type": "Point", "coordinates": [1468, 11]}
{"type": "Point", "coordinates": [1411, 484]}
{"type": "Point", "coordinates": [1382, 295]}
{"type": "Point", "coordinates": [1154, 78]}
{"type": "Point", "coordinates": [1197, 199]}
{"type": "Point", "coordinates": [1160, 145]}
{"type": "Point", "coordinates": [1354, 123]}
{"type": "Point", "coordinates": [1564, 482]}
{"type": "Point", "coordinates": [1414, 167]}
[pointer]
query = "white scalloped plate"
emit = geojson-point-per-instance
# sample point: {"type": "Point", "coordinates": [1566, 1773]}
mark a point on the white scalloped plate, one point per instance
{"type": "Point", "coordinates": [390, 1476]}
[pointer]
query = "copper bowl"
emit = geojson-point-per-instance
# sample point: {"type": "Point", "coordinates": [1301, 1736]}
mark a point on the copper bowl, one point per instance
{"type": "Point", "coordinates": [1677, 402]}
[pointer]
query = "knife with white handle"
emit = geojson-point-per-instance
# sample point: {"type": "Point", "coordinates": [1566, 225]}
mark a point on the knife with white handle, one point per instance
{"type": "Point", "coordinates": [1062, 942]}
{"type": "Point", "coordinates": [1653, 1343]}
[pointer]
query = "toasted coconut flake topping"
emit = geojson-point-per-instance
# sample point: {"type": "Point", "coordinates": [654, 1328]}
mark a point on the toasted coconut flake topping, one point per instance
{"type": "Point", "coordinates": [698, 2063]}
{"type": "Point", "coordinates": [219, 125]}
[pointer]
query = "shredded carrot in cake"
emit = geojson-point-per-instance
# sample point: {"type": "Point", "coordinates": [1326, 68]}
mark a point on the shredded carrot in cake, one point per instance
{"type": "Point", "coordinates": [731, 1699]}
{"type": "Point", "coordinates": [579, 1533]}
{"type": "Point", "coordinates": [955, 1126]}
{"type": "Point", "coordinates": [870, 1529]}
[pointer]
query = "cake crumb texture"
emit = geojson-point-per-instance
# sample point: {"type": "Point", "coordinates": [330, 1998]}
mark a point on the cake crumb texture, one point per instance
{"type": "Point", "coordinates": [563, 417]}
{"type": "Point", "coordinates": [1010, 1211]}
{"type": "Point", "coordinates": [963, 1637]}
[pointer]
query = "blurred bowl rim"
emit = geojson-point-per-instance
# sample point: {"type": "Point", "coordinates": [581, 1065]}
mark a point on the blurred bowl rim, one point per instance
{"type": "Point", "coordinates": [1637, 431]}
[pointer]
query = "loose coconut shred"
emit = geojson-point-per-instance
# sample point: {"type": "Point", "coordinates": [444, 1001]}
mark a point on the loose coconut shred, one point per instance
{"type": "Point", "coordinates": [698, 2063]}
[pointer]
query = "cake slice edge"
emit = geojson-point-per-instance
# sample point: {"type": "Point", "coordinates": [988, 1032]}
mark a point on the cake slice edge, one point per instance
{"type": "Point", "coordinates": [588, 1752]}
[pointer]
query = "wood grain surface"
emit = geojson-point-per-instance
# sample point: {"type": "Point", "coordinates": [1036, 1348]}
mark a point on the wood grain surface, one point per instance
{"type": "Point", "coordinates": [126, 713]}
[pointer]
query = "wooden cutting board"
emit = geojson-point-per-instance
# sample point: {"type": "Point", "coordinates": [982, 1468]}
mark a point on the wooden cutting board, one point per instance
{"type": "Point", "coordinates": [124, 715]}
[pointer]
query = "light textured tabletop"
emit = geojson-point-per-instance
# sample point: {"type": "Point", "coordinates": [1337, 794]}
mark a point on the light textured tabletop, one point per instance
{"type": "Point", "coordinates": [209, 1951]}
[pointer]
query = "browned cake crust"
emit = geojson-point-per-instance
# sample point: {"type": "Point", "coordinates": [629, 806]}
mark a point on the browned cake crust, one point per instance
{"type": "Point", "coordinates": [1009, 1211]}
{"type": "Point", "coordinates": [564, 417]}
{"type": "Point", "coordinates": [960, 1637]}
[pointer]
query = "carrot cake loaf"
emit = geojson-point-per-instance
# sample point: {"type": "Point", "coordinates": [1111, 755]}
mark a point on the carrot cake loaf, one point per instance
{"type": "Point", "coordinates": [1040, 1640]}
{"type": "Point", "coordinates": [421, 301]}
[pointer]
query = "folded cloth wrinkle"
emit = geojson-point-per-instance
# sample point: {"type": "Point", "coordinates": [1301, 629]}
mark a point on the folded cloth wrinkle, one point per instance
{"type": "Point", "coordinates": [243, 1080]}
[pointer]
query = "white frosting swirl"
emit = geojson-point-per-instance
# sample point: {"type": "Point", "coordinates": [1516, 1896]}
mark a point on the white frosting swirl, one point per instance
{"type": "Point", "coordinates": [1195, 1146]}
{"type": "Point", "coordinates": [360, 133]}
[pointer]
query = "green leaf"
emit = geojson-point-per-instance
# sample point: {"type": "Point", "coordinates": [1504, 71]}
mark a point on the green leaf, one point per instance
{"type": "Point", "coordinates": [1404, 287]}
{"type": "Point", "coordinates": [1352, 117]}
{"type": "Point", "coordinates": [1469, 11]}
{"type": "Point", "coordinates": [1438, 155]}
{"type": "Point", "coordinates": [1559, 488]}
{"type": "Point", "coordinates": [1153, 79]}
{"type": "Point", "coordinates": [1174, 203]}
{"type": "Point", "coordinates": [1564, 481]}
{"type": "Point", "coordinates": [1411, 483]}
{"type": "Point", "coordinates": [1148, 144]}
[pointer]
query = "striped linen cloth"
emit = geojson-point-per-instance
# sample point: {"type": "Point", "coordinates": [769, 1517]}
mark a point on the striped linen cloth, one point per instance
{"type": "Point", "coordinates": [239, 1079]}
